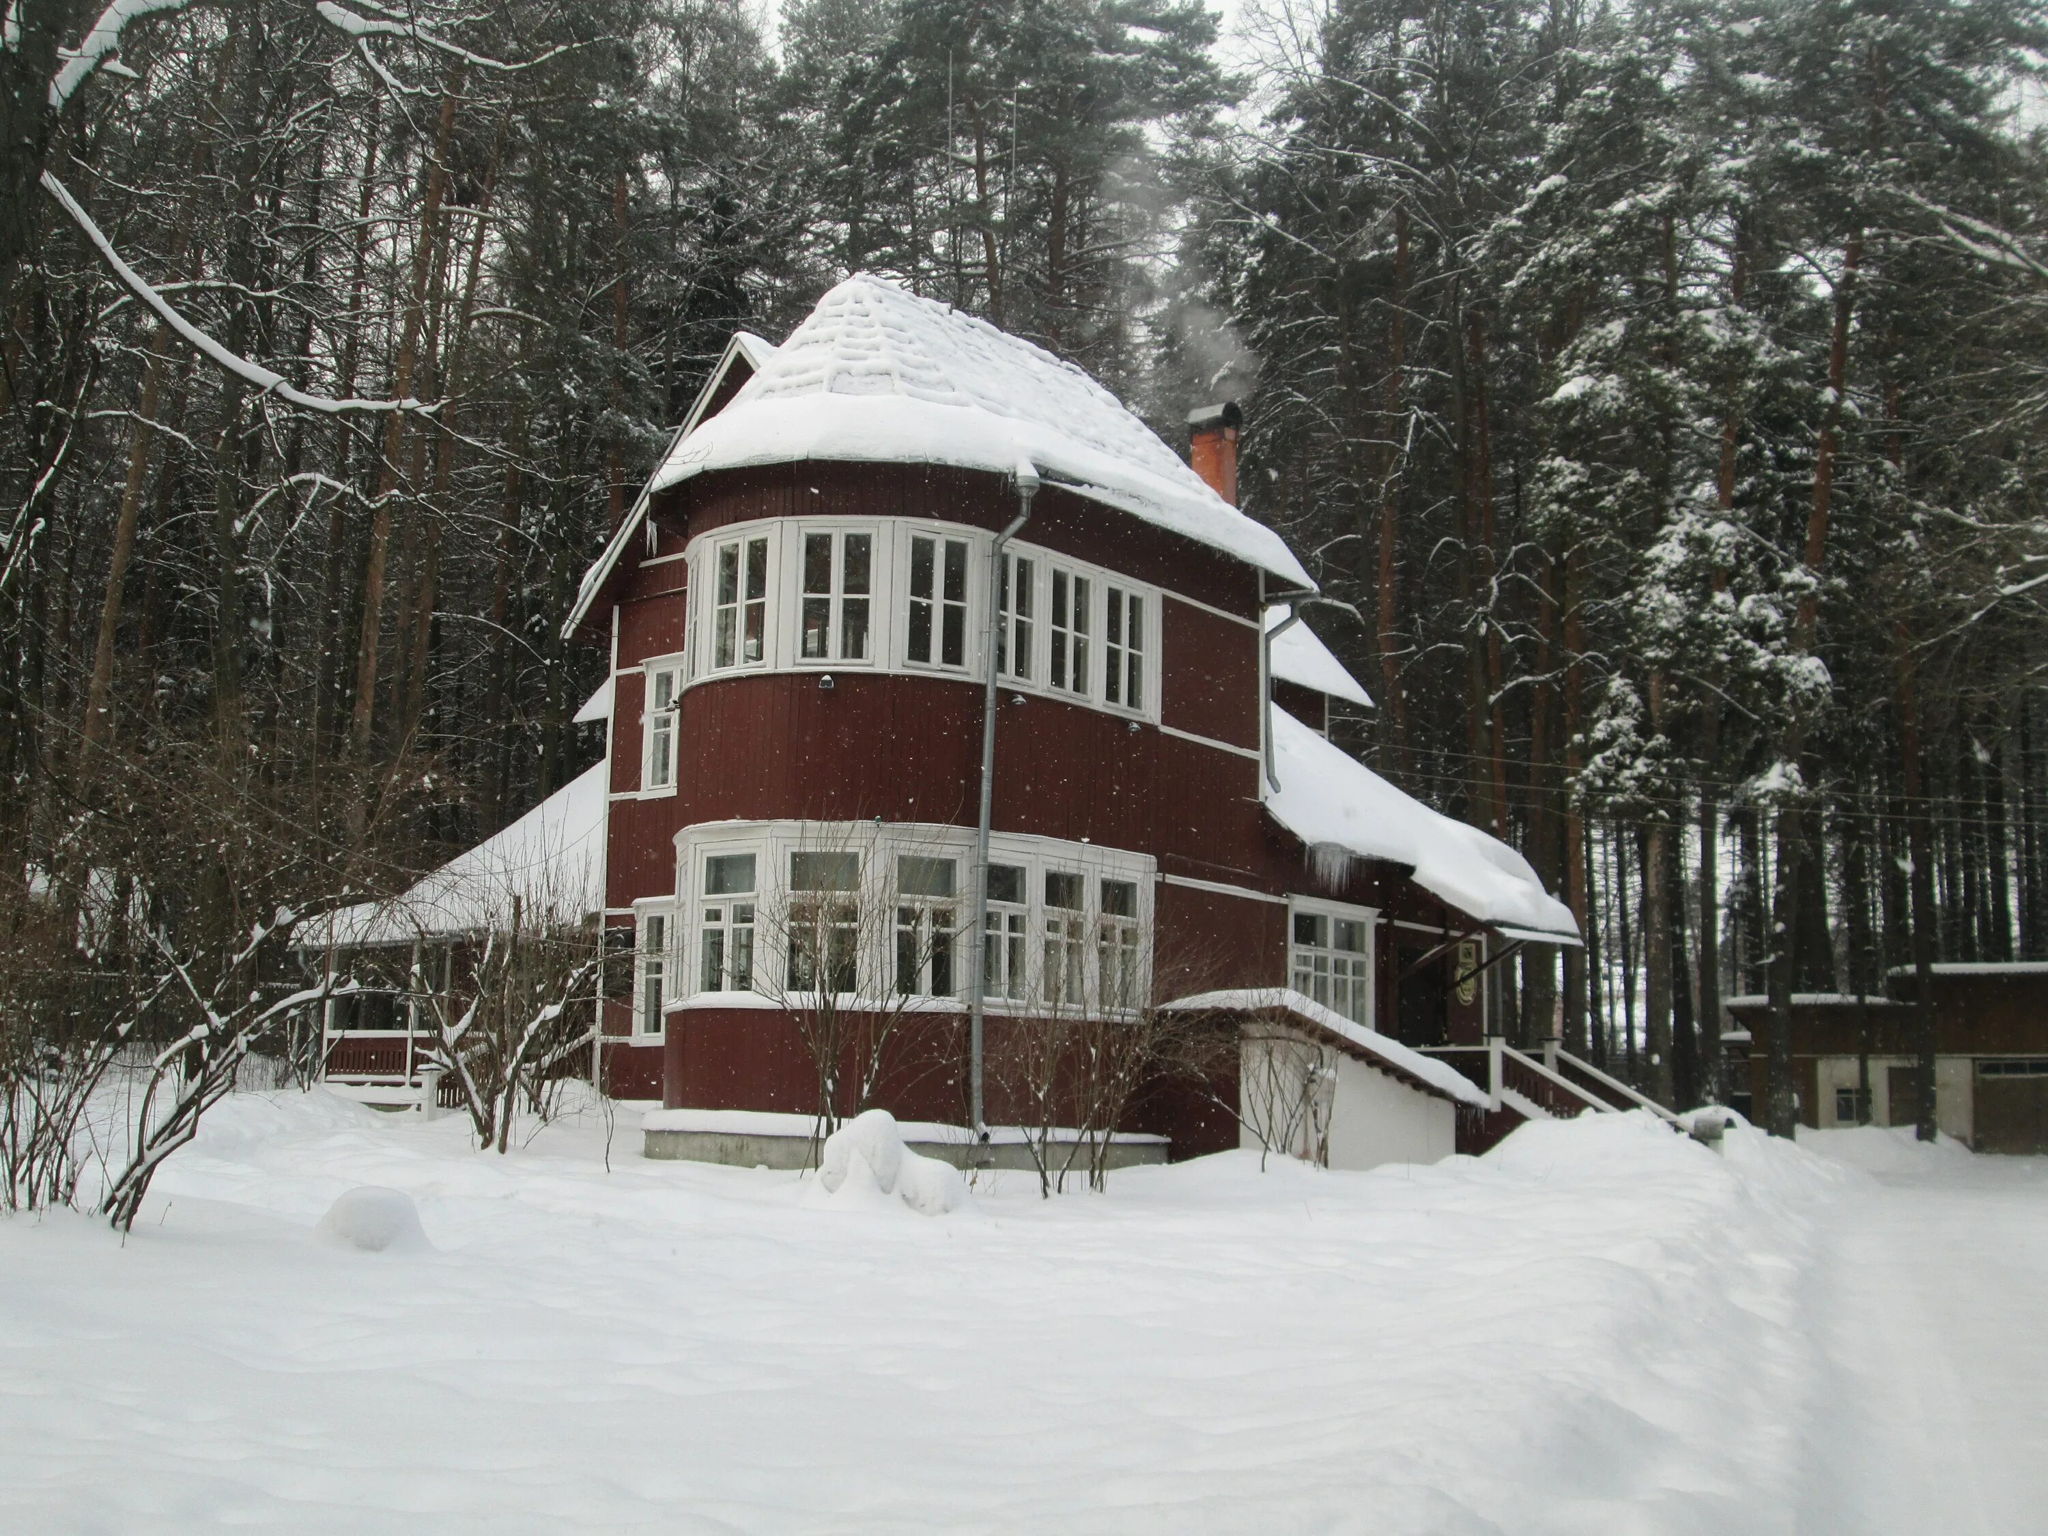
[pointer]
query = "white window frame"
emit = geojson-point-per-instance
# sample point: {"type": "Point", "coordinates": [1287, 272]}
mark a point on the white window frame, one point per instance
{"type": "Point", "coordinates": [835, 597]}
{"type": "Point", "coordinates": [743, 539]}
{"type": "Point", "coordinates": [974, 559]}
{"type": "Point", "coordinates": [1134, 643]}
{"type": "Point", "coordinates": [655, 962]}
{"type": "Point", "coordinates": [1027, 639]}
{"type": "Point", "coordinates": [729, 924]}
{"type": "Point", "coordinates": [1367, 959]}
{"type": "Point", "coordinates": [1018, 627]}
{"type": "Point", "coordinates": [660, 722]}
{"type": "Point", "coordinates": [880, 846]}
{"type": "Point", "coordinates": [1073, 611]}
{"type": "Point", "coordinates": [918, 916]}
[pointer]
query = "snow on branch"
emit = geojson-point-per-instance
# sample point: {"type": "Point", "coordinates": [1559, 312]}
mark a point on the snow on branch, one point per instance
{"type": "Point", "coordinates": [363, 28]}
{"type": "Point", "coordinates": [264, 380]}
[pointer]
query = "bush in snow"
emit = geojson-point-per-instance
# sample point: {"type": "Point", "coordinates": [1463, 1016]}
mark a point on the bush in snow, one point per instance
{"type": "Point", "coordinates": [865, 1162]}
{"type": "Point", "coordinates": [373, 1219]}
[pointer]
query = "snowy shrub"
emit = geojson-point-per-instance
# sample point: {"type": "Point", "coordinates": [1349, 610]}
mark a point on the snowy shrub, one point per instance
{"type": "Point", "coordinates": [864, 1162]}
{"type": "Point", "coordinates": [372, 1219]}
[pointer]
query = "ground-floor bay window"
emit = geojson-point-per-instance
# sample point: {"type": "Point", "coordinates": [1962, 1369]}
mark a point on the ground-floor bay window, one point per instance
{"type": "Point", "coordinates": [1330, 958]}
{"type": "Point", "coordinates": [875, 914]}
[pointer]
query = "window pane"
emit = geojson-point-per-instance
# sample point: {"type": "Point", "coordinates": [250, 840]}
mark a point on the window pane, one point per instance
{"type": "Point", "coordinates": [1348, 935]}
{"type": "Point", "coordinates": [920, 641]}
{"type": "Point", "coordinates": [824, 871]}
{"type": "Point", "coordinates": [853, 629]}
{"type": "Point", "coordinates": [1063, 890]}
{"type": "Point", "coordinates": [856, 561]}
{"type": "Point", "coordinates": [920, 876]}
{"type": "Point", "coordinates": [1308, 929]}
{"type": "Point", "coordinates": [956, 571]}
{"type": "Point", "coordinates": [757, 569]}
{"type": "Point", "coordinates": [817, 562]}
{"type": "Point", "coordinates": [921, 567]}
{"type": "Point", "coordinates": [1119, 898]}
{"type": "Point", "coordinates": [728, 873]}
{"type": "Point", "coordinates": [953, 640]}
{"type": "Point", "coordinates": [1005, 883]}
{"type": "Point", "coordinates": [729, 574]}
{"type": "Point", "coordinates": [817, 627]}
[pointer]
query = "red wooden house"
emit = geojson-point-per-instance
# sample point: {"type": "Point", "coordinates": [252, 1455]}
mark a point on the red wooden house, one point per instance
{"type": "Point", "coordinates": [917, 635]}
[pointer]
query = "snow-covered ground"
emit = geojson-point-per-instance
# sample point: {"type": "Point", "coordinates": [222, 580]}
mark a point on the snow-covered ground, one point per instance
{"type": "Point", "coordinates": [1601, 1327]}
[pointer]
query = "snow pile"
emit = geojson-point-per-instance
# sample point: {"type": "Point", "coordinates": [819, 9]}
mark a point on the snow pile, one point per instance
{"type": "Point", "coordinates": [866, 1164]}
{"type": "Point", "coordinates": [372, 1219]}
{"type": "Point", "coordinates": [1600, 1326]}
{"type": "Point", "coordinates": [551, 859]}
{"type": "Point", "coordinates": [1881, 1148]}
{"type": "Point", "coordinates": [876, 374]}
{"type": "Point", "coordinates": [1329, 799]}
{"type": "Point", "coordinates": [1300, 657]}
{"type": "Point", "coordinates": [1446, 1080]}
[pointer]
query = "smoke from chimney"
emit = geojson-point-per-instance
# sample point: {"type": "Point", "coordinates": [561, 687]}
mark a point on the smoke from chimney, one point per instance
{"type": "Point", "coordinates": [1212, 446]}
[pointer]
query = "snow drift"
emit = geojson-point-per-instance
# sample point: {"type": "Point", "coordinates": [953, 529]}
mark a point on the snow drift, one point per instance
{"type": "Point", "coordinates": [866, 1163]}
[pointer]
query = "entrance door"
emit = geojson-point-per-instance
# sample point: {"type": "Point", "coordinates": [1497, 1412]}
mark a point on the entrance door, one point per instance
{"type": "Point", "coordinates": [2011, 1113]}
{"type": "Point", "coordinates": [1903, 1090]}
{"type": "Point", "coordinates": [1422, 1017]}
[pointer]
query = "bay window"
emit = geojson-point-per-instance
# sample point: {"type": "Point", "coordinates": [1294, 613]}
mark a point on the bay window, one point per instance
{"type": "Point", "coordinates": [925, 934]}
{"type": "Point", "coordinates": [1123, 649]}
{"type": "Point", "coordinates": [1016, 602]}
{"type": "Point", "coordinates": [1068, 622]}
{"type": "Point", "coordinates": [1065, 953]}
{"type": "Point", "coordinates": [838, 587]}
{"type": "Point", "coordinates": [726, 924]}
{"type": "Point", "coordinates": [1002, 955]}
{"type": "Point", "coordinates": [1331, 959]}
{"type": "Point", "coordinates": [824, 920]}
{"type": "Point", "coordinates": [739, 615]}
{"type": "Point", "coordinates": [936, 627]}
{"type": "Point", "coordinates": [1116, 945]}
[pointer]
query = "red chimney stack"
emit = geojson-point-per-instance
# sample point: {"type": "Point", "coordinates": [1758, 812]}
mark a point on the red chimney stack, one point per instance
{"type": "Point", "coordinates": [1212, 446]}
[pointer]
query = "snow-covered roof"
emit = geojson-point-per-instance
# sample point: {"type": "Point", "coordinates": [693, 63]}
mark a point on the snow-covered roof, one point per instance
{"type": "Point", "coordinates": [1979, 968]}
{"type": "Point", "coordinates": [1299, 657]}
{"type": "Point", "coordinates": [551, 858]}
{"type": "Point", "coordinates": [1388, 1052]}
{"type": "Point", "coordinates": [598, 707]}
{"type": "Point", "coordinates": [1329, 799]}
{"type": "Point", "coordinates": [878, 375]}
{"type": "Point", "coordinates": [1815, 1000]}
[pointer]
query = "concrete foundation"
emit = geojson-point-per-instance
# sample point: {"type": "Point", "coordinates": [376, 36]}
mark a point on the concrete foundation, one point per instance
{"type": "Point", "coordinates": [756, 1149]}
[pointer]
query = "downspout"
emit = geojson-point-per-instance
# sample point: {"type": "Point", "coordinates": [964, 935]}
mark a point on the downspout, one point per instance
{"type": "Point", "coordinates": [1026, 476]}
{"type": "Point", "coordinates": [1266, 639]}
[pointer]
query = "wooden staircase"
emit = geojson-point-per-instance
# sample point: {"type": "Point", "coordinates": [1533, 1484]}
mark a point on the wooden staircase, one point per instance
{"type": "Point", "coordinates": [1520, 1087]}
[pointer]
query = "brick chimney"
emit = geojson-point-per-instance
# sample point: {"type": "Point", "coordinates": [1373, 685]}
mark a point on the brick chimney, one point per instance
{"type": "Point", "coordinates": [1212, 446]}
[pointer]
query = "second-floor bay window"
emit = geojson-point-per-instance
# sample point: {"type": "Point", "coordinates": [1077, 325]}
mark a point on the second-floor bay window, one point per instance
{"type": "Point", "coordinates": [838, 588]}
{"type": "Point", "coordinates": [739, 617]}
{"type": "Point", "coordinates": [1069, 618]}
{"type": "Point", "coordinates": [936, 610]}
{"type": "Point", "coordinates": [1017, 628]}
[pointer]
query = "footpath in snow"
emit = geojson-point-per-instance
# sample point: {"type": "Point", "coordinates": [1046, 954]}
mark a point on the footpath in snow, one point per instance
{"type": "Point", "coordinates": [1600, 1327]}
{"type": "Point", "coordinates": [1932, 1300]}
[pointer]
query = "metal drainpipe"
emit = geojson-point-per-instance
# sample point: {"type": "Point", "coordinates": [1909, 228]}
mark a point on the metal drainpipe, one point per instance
{"type": "Point", "coordinates": [977, 980]}
{"type": "Point", "coordinates": [1266, 639]}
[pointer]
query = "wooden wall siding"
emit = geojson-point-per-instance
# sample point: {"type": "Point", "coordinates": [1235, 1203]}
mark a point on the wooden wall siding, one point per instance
{"type": "Point", "coordinates": [640, 852]}
{"type": "Point", "coordinates": [1060, 520]}
{"type": "Point", "coordinates": [1206, 941]}
{"type": "Point", "coordinates": [653, 624]}
{"type": "Point", "coordinates": [629, 694]}
{"type": "Point", "coordinates": [1210, 681]}
{"type": "Point", "coordinates": [1963, 1026]}
{"type": "Point", "coordinates": [632, 1071]}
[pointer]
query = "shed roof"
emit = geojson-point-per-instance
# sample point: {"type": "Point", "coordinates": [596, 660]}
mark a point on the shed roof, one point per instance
{"type": "Point", "coordinates": [1301, 658]}
{"type": "Point", "coordinates": [1329, 799]}
{"type": "Point", "coordinates": [878, 375]}
{"type": "Point", "coordinates": [552, 859]}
